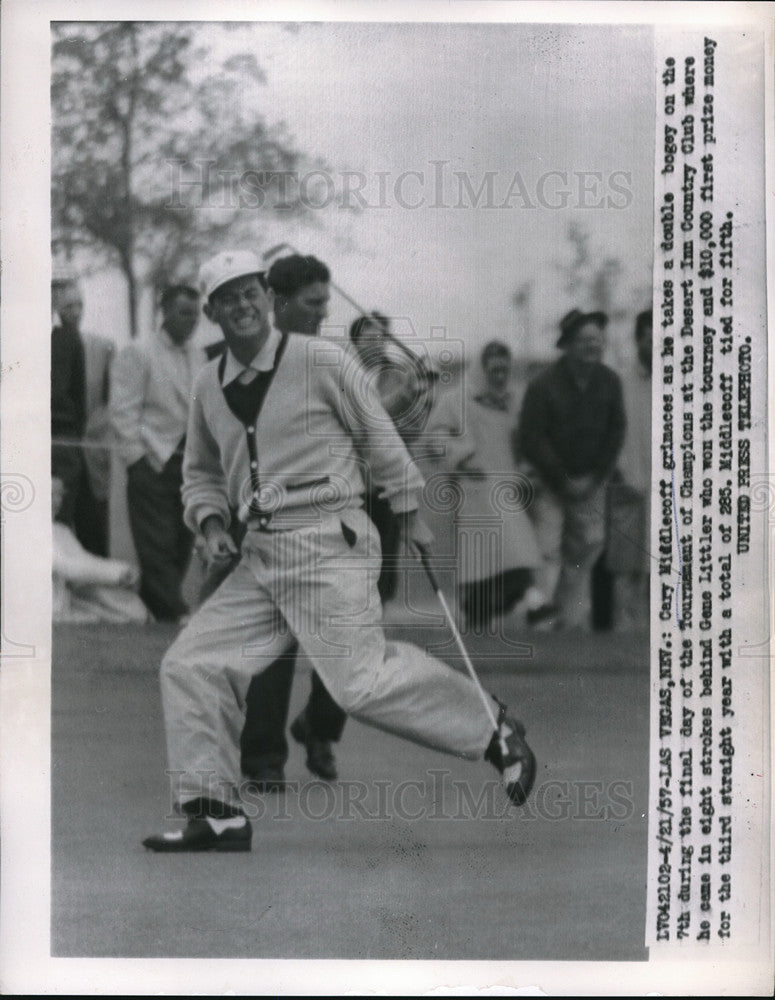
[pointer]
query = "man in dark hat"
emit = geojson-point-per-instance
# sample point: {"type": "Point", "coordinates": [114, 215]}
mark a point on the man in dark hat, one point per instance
{"type": "Point", "coordinates": [569, 436]}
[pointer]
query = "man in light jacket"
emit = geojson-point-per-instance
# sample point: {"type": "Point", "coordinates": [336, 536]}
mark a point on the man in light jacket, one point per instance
{"type": "Point", "coordinates": [149, 405]}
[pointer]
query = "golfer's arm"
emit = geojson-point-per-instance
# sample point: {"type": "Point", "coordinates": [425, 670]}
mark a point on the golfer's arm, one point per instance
{"type": "Point", "coordinates": [394, 473]}
{"type": "Point", "coordinates": [205, 492]}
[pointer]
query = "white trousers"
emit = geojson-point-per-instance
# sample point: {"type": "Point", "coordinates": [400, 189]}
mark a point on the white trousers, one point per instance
{"type": "Point", "coordinates": [316, 583]}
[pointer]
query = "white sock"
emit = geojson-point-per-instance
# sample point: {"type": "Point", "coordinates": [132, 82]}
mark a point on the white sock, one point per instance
{"type": "Point", "coordinates": [219, 825]}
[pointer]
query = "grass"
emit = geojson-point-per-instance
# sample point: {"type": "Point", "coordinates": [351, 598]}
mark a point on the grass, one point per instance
{"type": "Point", "coordinates": [432, 875]}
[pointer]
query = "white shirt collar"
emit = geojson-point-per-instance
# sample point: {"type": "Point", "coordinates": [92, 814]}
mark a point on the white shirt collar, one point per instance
{"type": "Point", "coordinates": [262, 362]}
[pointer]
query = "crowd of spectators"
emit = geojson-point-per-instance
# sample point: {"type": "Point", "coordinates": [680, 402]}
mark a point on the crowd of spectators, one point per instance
{"type": "Point", "coordinates": [548, 478]}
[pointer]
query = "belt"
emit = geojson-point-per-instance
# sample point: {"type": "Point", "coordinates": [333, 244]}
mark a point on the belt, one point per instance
{"type": "Point", "coordinates": [292, 519]}
{"type": "Point", "coordinates": [258, 513]}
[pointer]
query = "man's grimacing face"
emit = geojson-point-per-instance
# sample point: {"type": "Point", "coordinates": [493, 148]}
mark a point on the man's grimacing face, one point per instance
{"type": "Point", "coordinates": [241, 308]}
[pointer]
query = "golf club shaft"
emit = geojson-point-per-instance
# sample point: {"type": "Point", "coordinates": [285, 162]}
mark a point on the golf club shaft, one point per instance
{"type": "Point", "coordinates": [486, 700]}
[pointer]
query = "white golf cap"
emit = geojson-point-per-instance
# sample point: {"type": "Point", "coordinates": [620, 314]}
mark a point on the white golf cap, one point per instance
{"type": "Point", "coordinates": [225, 267]}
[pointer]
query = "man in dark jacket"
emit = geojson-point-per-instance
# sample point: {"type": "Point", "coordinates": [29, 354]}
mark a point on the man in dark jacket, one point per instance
{"type": "Point", "coordinates": [68, 396]}
{"type": "Point", "coordinates": [570, 433]}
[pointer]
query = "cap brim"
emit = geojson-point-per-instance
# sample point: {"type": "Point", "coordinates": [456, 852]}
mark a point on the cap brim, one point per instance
{"type": "Point", "coordinates": [240, 272]}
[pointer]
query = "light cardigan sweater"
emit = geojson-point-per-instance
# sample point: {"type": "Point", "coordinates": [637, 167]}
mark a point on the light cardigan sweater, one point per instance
{"type": "Point", "coordinates": [321, 428]}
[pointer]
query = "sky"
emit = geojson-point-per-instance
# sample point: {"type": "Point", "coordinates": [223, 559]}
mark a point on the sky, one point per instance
{"type": "Point", "coordinates": [530, 106]}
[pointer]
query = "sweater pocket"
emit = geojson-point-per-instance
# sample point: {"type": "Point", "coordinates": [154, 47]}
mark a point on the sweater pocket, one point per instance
{"type": "Point", "coordinates": [359, 532]}
{"type": "Point", "coordinates": [308, 484]}
{"type": "Point", "coordinates": [349, 534]}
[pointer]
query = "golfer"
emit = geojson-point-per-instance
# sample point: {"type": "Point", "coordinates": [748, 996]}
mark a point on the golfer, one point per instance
{"type": "Point", "coordinates": [279, 430]}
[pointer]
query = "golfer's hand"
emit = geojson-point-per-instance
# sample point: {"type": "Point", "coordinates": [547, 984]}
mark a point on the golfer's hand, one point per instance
{"type": "Point", "coordinates": [220, 547]}
{"type": "Point", "coordinates": [415, 532]}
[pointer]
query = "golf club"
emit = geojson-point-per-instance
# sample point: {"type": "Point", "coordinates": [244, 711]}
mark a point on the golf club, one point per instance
{"type": "Point", "coordinates": [486, 700]}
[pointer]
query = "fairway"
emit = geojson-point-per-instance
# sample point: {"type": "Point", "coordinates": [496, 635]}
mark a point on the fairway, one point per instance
{"type": "Point", "coordinates": [412, 855]}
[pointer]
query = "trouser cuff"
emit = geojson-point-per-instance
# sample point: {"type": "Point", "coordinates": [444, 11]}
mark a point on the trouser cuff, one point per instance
{"type": "Point", "coordinates": [201, 807]}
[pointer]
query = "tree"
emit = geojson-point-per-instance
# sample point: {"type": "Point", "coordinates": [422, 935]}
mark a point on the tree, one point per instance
{"type": "Point", "coordinates": [151, 142]}
{"type": "Point", "coordinates": [590, 277]}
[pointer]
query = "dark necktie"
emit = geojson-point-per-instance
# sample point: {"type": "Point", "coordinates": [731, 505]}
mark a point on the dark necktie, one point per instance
{"type": "Point", "coordinates": [245, 402]}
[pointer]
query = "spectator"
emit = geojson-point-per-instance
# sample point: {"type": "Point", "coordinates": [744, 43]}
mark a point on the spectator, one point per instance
{"type": "Point", "coordinates": [569, 436]}
{"type": "Point", "coordinates": [405, 387]}
{"type": "Point", "coordinates": [88, 589]}
{"type": "Point", "coordinates": [68, 398]}
{"type": "Point", "coordinates": [628, 555]}
{"type": "Point", "coordinates": [496, 546]}
{"type": "Point", "coordinates": [150, 400]}
{"type": "Point", "coordinates": [93, 488]}
{"type": "Point", "coordinates": [301, 288]}
{"type": "Point", "coordinates": [405, 381]}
